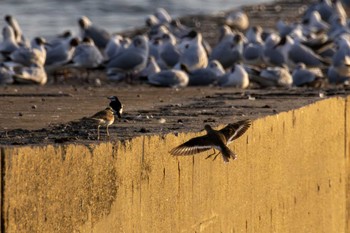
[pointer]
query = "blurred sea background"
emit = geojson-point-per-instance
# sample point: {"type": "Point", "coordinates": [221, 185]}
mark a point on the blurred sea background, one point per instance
{"type": "Point", "coordinates": [51, 17]}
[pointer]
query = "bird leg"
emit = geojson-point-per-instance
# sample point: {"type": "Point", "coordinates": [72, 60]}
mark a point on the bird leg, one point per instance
{"type": "Point", "coordinates": [98, 132]}
{"type": "Point", "coordinates": [216, 155]}
{"type": "Point", "coordinates": [211, 154]}
{"type": "Point", "coordinates": [107, 131]}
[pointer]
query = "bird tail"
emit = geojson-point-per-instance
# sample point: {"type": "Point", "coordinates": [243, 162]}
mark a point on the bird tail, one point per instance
{"type": "Point", "coordinates": [227, 154]}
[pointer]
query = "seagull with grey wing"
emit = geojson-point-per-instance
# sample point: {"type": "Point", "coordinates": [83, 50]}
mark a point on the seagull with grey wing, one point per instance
{"type": "Point", "coordinates": [34, 55]}
{"type": "Point", "coordinates": [9, 44]}
{"type": "Point", "coordinates": [99, 35]}
{"type": "Point", "coordinates": [86, 55]}
{"type": "Point", "coordinates": [12, 22]}
{"type": "Point", "coordinates": [214, 139]}
{"type": "Point", "coordinates": [131, 60]}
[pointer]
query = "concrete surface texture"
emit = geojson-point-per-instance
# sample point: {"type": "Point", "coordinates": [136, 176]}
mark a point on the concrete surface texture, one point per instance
{"type": "Point", "coordinates": [291, 175]}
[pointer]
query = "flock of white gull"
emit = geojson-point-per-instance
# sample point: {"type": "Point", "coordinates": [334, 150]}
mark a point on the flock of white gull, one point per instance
{"type": "Point", "coordinates": [314, 50]}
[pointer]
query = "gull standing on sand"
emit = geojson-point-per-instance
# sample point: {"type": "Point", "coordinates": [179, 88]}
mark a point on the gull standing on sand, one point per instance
{"type": "Point", "coordinates": [34, 74]}
{"type": "Point", "coordinates": [315, 23]}
{"type": "Point", "coordinates": [253, 50]}
{"type": "Point", "coordinates": [214, 139]}
{"type": "Point", "coordinates": [253, 35]}
{"type": "Point", "coordinates": [252, 54]}
{"type": "Point", "coordinates": [58, 40]}
{"type": "Point", "coordinates": [274, 76]}
{"type": "Point", "coordinates": [284, 28]}
{"type": "Point", "coordinates": [229, 49]}
{"type": "Point", "coordinates": [169, 78]}
{"type": "Point", "coordinates": [5, 75]}
{"type": "Point", "coordinates": [99, 35]}
{"type": "Point", "coordinates": [294, 52]}
{"type": "Point", "coordinates": [163, 16]}
{"type": "Point", "coordinates": [151, 20]}
{"type": "Point", "coordinates": [335, 78]}
{"type": "Point", "coordinates": [206, 76]}
{"type": "Point", "coordinates": [237, 77]}
{"type": "Point", "coordinates": [192, 52]}
{"type": "Point", "coordinates": [131, 60]}
{"type": "Point", "coordinates": [151, 68]}
{"type": "Point", "coordinates": [9, 44]}
{"type": "Point", "coordinates": [237, 20]}
{"type": "Point", "coordinates": [169, 54]}
{"type": "Point", "coordinates": [86, 55]}
{"type": "Point", "coordinates": [36, 54]}
{"type": "Point", "coordinates": [12, 22]}
{"type": "Point", "coordinates": [113, 47]}
{"type": "Point", "coordinates": [272, 56]}
{"type": "Point", "coordinates": [178, 29]}
{"type": "Point", "coordinates": [302, 76]}
{"type": "Point", "coordinates": [341, 58]}
{"type": "Point", "coordinates": [60, 54]}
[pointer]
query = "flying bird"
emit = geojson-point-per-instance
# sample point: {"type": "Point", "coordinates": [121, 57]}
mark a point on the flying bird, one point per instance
{"type": "Point", "coordinates": [214, 139]}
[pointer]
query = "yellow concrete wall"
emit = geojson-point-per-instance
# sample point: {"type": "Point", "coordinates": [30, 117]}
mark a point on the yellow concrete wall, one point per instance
{"type": "Point", "coordinates": [291, 175]}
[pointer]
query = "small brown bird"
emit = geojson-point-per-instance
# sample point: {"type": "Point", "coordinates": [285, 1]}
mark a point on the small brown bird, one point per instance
{"type": "Point", "coordinates": [214, 139]}
{"type": "Point", "coordinates": [103, 118]}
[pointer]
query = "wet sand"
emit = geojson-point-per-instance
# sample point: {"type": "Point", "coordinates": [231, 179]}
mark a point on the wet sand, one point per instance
{"type": "Point", "coordinates": [55, 114]}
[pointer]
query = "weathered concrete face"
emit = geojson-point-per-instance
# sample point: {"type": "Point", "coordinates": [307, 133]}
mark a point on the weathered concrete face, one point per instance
{"type": "Point", "coordinates": [291, 175]}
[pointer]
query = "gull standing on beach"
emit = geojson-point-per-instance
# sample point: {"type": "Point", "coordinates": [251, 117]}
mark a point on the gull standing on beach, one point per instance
{"type": "Point", "coordinates": [192, 52]}
{"type": "Point", "coordinates": [237, 20]}
{"type": "Point", "coordinates": [151, 68]}
{"type": "Point", "coordinates": [206, 76]}
{"type": "Point", "coordinates": [5, 75]}
{"type": "Point", "coordinates": [294, 52]}
{"type": "Point", "coordinates": [86, 55]}
{"type": "Point", "coordinates": [99, 35]}
{"type": "Point", "coordinates": [163, 16]}
{"type": "Point", "coordinates": [237, 77]}
{"type": "Point", "coordinates": [36, 54]}
{"type": "Point", "coordinates": [274, 76]}
{"type": "Point", "coordinates": [341, 58]}
{"type": "Point", "coordinates": [303, 76]}
{"type": "Point", "coordinates": [253, 50]}
{"type": "Point", "coordinates": [169, 54]}
{"type": "Point", "coordinates": [113, 47]}
{"type": "Point", "coordinates": [229, 49]}
{"type": "Point", "coordinates": [272, 56]}
{"type": "Point", "coordinates": [60, 54]}
{"type": "Point", "coordinates": [19, 37]}
{"type": "Point", "coordinates": [34, 74]}
{"type": "Point", "coordinates": [169, 78]}
{"type": "Point", "coordinates": [131, 60]}
{"type": "Point", "coordinates": [315, 23]}
{"type": "Point", "coordinates": [9, 44]}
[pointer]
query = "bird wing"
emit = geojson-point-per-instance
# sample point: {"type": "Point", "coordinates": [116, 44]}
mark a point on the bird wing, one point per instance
{"type": "Point", "coordinates": [127, 61]}
{"type": "Point", "coordinates": [99, 114]}
{"type": "Point", "coordinates": [235, 130]}
{"type": "Point", "coordinates": [193, 146]}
